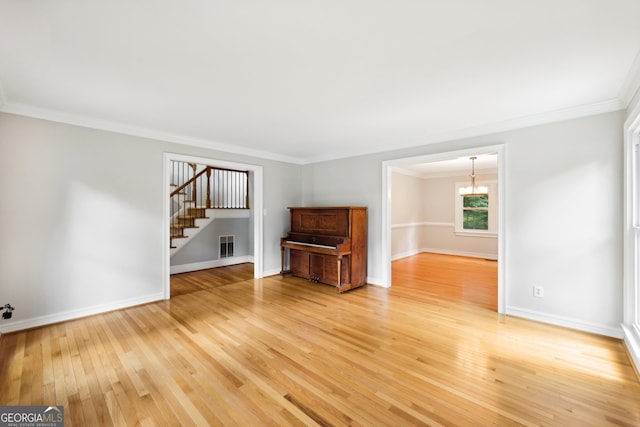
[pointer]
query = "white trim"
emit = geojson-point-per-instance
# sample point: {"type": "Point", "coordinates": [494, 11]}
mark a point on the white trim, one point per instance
{"type": "Point", "coordinates": [111, 126]}
{"type": "Point", "coordinates": [215, 263]}
{"type": "Point", "coordinates": [385, 240]}
{"type": "Point", "coordinates": [486, 129]}
{"type": "Point", "coordinates": [375, 281]}
{"type": "Point", "coordinates": [453, 134]}
{"type": "Point", "coordinates": [257, 210]}
{"type": "Point", "coordinates": [229, 213]}
{"type": "Point", "coordinates": [423, 224]}
{"type": "Point", "coordinates": [492, 257]}
{"type": "Point", "coordinates": [632, 341]}
{"type": "Point", "coordinates": [489, 256]}
{"type": "Point", "coordinates": [479, 233]}
{"type": "Point", "coordinates": [566, 322]}
{"type": "Point", "coordinates": [407, 254]}
{"type": "Point", "coordinates": [76, 314]}
{"type": "Point", "coordinates": [272, 272]}
{"type": "Point", "coordinates": [466, 233]}
{"type": "Point", "coordinates": [631, 267]}
{"type": "Point", "coordinates": [631, 83]}
{"type": "Point", "coordinates": [492, 211]}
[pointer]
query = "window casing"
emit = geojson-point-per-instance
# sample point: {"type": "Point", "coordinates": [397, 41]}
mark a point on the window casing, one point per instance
{"type": "Point", "coordinates": [477, 215]}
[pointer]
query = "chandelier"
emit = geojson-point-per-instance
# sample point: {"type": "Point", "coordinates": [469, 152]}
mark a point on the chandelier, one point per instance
{"type": "Point", "coordinates": [473, 190]}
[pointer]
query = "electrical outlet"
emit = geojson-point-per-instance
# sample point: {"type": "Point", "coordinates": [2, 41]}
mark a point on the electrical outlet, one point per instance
{"type": "Point", "coordinates": [8, 309]}
{"type": "Point", "coordinates": [538, 291]}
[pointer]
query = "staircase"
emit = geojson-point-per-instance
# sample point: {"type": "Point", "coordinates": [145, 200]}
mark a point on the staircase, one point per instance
{"type": "Point", "coordinates": [197, 192]}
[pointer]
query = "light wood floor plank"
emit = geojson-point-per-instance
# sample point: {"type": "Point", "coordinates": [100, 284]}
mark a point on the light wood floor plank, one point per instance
{"type": "Point", "coordinates": [231, 350]}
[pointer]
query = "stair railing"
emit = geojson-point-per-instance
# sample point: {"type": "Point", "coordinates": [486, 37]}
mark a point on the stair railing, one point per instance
{"type": "Point", "coordinates": [212, 187]}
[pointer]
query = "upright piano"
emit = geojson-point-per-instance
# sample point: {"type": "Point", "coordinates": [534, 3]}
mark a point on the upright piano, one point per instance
{"type": "Point", "coordinates": [327, 245]}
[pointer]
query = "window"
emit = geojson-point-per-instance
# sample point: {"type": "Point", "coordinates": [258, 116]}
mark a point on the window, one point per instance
{"type": "Point", "coordinates": [226, 246]}
{"type": "Point", "coordinates": [477, 215]}
{"type": "Point", "coordinates": [475, 212]}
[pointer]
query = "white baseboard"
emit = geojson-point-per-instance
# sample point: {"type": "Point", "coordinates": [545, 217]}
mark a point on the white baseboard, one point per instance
{"type": "Point", "coordinates": [76, 314]}
{"type": "Point", "coordinates": [405, 254]}
{"type": "Point", "coordinates": [376, 281]}
{"type": "Point", "coordinates": [632, 341]}
{"type": "Point", "coordinates": [272, 272]}
{"type": "Point", "coordinates": [460, 253]}
{"type": "Point", "coordinates": [581, 325]}
{"type": "Point", "coordinates": [185, 268]}
{"type": "Point", "coordinates": [444, 252]}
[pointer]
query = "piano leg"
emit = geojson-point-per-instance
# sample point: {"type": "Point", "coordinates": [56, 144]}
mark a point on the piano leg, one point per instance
{"type": "Point", "coordinates": [282, 258]}
{"type": "Point", "coordinates": [339, 273]}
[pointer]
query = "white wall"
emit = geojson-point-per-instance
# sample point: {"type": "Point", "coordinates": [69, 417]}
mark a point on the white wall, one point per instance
{"type": "Point", "coordinates": [407, 215]}
{"type": "Point", "coordinates": [563, 207]}
{"type": "Point", "coordinates": [62, 253]}
{"type": "Point", "coordinates": [92, 239]}
{"type": "Point", "coordinates": [204, 246]}
{"type": "Point", "coordinates": [423, 218]}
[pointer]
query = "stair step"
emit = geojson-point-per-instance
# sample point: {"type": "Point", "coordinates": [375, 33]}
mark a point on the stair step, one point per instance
{"type": "Point", "coordinates": [182, 226]}
{"type": "Point", "coordinates": [197, 212]}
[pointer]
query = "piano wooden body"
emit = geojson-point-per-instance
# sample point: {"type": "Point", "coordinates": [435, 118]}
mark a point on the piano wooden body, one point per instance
{"type": "Point", "coordinates": [327, 245]}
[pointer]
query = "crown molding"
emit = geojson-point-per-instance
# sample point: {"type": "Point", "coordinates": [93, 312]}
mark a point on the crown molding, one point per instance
{"type": "Point", "coordinates": [486, 129]}
{"type": "Point", "coordinates": [117, 127]}
{"type": "Point", "coordinates": [631, 84]}
{"type": "Point", "coordinates": [454, 134]}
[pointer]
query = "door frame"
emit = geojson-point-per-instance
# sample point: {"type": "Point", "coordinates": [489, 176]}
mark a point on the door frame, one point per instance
{"type": "Point", "coordinates": [436, 157]}
{"type": "Point", "coordinates": [257, 210]}
{"type": "Point", "coordinates": [631, 262]}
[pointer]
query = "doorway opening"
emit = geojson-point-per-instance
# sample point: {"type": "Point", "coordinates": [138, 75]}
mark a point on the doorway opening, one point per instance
{"type": "Point", "coordinates": [256, 188]}
{"type": "Point", "coordinates": [412, 228]}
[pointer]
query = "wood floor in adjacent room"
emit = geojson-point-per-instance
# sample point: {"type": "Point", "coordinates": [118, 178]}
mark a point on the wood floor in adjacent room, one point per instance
{"type": "Point", "coordinates": [289, 352]}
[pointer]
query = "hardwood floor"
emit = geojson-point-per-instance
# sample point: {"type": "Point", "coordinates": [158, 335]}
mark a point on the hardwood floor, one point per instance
{"type": "Point", "coordinates": [289, 352]}
{"type": "Point", "coordinates": [187, 283]}
{"type": "Point", "coordinates": [453, 278]}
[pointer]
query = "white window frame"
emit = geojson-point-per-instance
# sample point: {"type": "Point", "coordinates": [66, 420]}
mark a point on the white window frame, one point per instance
{"type": "Point", "coordinates": [493, 210]}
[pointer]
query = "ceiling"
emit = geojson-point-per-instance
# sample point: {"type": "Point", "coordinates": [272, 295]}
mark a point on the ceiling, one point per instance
{"type": "Point", "coordinates": [483, 164]}
{"type": "Point", "coordinates": [306, 81]}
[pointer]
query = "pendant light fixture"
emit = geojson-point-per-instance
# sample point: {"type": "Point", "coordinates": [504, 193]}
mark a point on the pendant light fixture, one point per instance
{"type": "Point", "coordinates": [472, 190]}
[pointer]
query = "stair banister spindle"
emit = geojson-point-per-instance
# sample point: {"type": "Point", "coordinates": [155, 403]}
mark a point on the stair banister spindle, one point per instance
{"type": "Point", "coordinates": [216, 188]}
{"type": "Point", "coordinates": [246, 193]}
{"type": "Point", "coordinates": [194, 196]}
{"type": "Point", "coordinates": [189, 182]}
{"type": "Point", "coordinates": [236, 192]}
{"type": "Point", "coordinates": [208, 186]}
{"type": "Point", "coordinates": [225, 189]}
